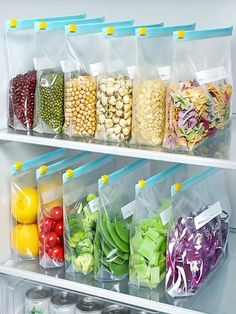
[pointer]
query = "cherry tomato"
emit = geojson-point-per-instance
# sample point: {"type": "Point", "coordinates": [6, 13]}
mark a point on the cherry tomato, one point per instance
{"type": "Point", "coordinates": [42, 236]}
{"type": "Point", "coordinates": [60, 241]}
{"type": "Point", "coordinates": [41, 251]}
{"type": "Point", "coordinates": [58, 228]}
{"type": "Point", "coordinates": [56, 213]}
{"type": "Point", "coordinates": [57, 253]}
{"type": "Point", "coordinates": [46, 224]}
{"type": "Point", "coordinates": [51, 239]}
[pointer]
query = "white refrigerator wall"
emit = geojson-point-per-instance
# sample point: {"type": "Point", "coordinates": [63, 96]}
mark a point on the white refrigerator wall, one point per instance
{"type": "Point", "coordinates": [206, 13]}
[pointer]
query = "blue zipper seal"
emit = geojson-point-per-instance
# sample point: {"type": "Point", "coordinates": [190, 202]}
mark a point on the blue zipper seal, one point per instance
{"type": "Point", "coordinates": [164, 31]}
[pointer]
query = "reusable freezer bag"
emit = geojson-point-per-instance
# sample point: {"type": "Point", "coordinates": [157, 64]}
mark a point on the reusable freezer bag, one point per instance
{"type": "Point", "coordinates": [117, 196]}
{"type": "Point", "coordinates": [154, 49]}
{"type": "Point", "coordinates": [197, 241]}
{"type": "Point", "coordinates": [22, 76]}
{"type": "Point", "coordinates": [84, 54]}
{"type": "Point", "coordinates": [150, 225]}
{"type": "Point", "coordinates": [81, 205]}
{"type": "Point", "coordinates": [24, 204]}
{"type": "Point", "coordinates": [49, 52]}
{"type": "Point", "coordinates": [199, 95]}
{"type": "Point", "coordinates": [50, 212]}
{"type": "Point", "coordinates": [115, 84]}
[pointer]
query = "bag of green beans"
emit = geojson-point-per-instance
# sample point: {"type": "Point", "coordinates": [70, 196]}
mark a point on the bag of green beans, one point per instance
{"type": "Point", "coordinates": [49, 52]}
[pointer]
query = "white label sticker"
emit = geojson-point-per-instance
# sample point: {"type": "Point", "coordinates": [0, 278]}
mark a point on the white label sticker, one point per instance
{"type": "Point", "coordinates": [52, 195]}
{"type": "Point", "coordinates": [128, 209]}
{"type": "Point", "coordinates": [131, 71]}
{"type": "Point", "coordinates": [208, 214]}
{"type": "Point", "coordinates": [165, 216]}
{"type": "Point", "coordinates": [43, 63]}
{"type": "Point", "coordinates": [69, 66]}
{"type": "Point", "coordinates": [211, 75]}
{"type": "Point", "coordinates": [164, 73]}
{"type": "Point", "coordinates": [94, 205]}
{"type": "Point", "coordinates": [95, 68]}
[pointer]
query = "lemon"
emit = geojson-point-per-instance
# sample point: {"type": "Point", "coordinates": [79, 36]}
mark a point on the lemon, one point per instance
{"type": "Point", "coordinates": [25, 205]}
{"type": "Point", "coordinates": [25, 240]}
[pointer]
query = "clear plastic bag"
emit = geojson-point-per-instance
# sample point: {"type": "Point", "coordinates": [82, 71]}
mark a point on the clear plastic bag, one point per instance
{"type": "Point", "coordinates": [197, 241]}
{"type": "Point", "coordinates": [50, 51]}
{"type": "Point", "coordinates": [199, 95]}
{"type": "Point", "coordinates": [115, 85]}
{"type": "Point", "coordinates": [153, 61]}
{"type": "Point", "coordinates": [81, 69]}
{"type": "Point", "coordinates": [50, 212]}
{"type": "Point", "coordinates": [24, 204]}
{"type": "Point", "coordinates": [150, 225]}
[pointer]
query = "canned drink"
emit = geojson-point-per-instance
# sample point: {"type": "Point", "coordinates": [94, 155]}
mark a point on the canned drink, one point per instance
{"type": "Point", "coordinates": [63, 303]}
{"type": "Point", "coordinates": [116, 309]}
{"type": "Point", "coordinates": [37, 300]}
{"type": "Point", "coordinates": [89, 305]}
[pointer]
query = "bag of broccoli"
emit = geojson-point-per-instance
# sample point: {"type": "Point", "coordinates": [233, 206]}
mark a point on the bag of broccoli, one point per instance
{"type": "Point", "coordinates": [50, 212]}
{"type": "Point", "coordinates": [149, 227]}
{"type": "Point", "coordinates": [24, 204]}
{"type": "Point", "coordinates": [198, 238]}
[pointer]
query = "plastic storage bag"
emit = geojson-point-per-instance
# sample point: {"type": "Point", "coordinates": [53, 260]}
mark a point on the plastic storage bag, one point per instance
{"type": "Point", "coordinates": [24, 204]}
{"type": "Point", "coordinates": [150, 225]}
{"type": "Point", "coordinates": [50, 51]}
{"type": "Point", "coordinates": [81, 70]}
{"type": "Point", "coordinates": [81, 205]}
{"type": "Point", "coordinates": [50, 213]}
{"type": "Point", "coordinates": [115, 84]}
{"type": "Point", "coordinates": [22, 76]}
{"type": "Point", "coordinates": [197, 242]}
{"type": "Point", "coordinates": [199, 95]}
{"type": "Point", "coordinates": [154, 58]}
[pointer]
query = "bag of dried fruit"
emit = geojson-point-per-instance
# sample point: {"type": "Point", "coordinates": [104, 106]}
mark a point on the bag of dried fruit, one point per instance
{"type": "Point", "coordinates": [153, 60]}
{"type": "Point", "coordinates": [115, 84]}
{"type": "Point", "coordinates": [49, 52]}
{"type": "Point", "coordinates": [149, 227]}
{"type": "Point", "coordinates": [81, 205]}
{"type": "Point", "coordinates": [199, 94]}
{"type": "Point", "coordinates": [50, 212]}
{"type": "Point", "coordinates": [80, 70]}
{"type": "Point", "coordinates": [198, 238]}
{"type": "Point", "coordinates": [22, 76]}
{"type": "Point", "coordinates": [24, 204]}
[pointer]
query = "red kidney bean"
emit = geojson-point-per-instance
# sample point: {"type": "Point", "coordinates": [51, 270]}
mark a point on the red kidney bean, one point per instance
{"type": "Point", "coordinates": [21, 99]}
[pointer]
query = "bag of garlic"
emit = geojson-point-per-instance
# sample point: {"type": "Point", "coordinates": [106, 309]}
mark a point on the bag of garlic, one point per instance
{"type": "Point", "coordinates": [199, 94]}
{"type": "Point", "coordinates": [115, 84]}
{"type": "Point", "coordinates": [80, 71]}
{"type": "Point", "coordinates": [153, 60]}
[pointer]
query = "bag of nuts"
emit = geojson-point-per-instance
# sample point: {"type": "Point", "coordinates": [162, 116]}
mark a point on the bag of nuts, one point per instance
{"type": "Point", "coordinates": [50, 51]}
{"type": "Point", "coordinates": [154, 57]}
{"type": "Point", "coordinates": [115, 85]}
{"type": "Point", "coordinates": [80, 70]}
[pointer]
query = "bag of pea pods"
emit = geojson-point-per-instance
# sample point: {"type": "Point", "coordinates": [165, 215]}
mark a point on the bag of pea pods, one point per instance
{"type": "Point", "coordinates": [150, 225]}
{"type": "Point", "coordinates": [22, 76]}
{"type": "Point", "coordinates": [153, 60]}
{"type": "Point", "coordinates": [24, 204]}
{"type": "Point", "coordinates": [49, 52]}
{"type": "Point", "coordinates": [50, 213]}
{"type": "Point", "coordinates": [115, 84]}
{"type": "Point", "coordinates": [80, 70]}
{"type": "Point", "coordinates": [199, 94]}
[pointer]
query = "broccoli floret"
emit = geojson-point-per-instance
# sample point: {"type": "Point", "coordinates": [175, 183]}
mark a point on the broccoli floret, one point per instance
{"type": "Point", "coordinates": [83, 263]}
{"type": "Point", "coordinates": [84, 246]}
{"type": "Point", "coordinates": [91, 197]}
{"type": "Point", "coordinates": [75, 222]}
{"type": "Point", "coordinates": [76, 237]}
{"type": "Point", "coordinates": [90, 220]}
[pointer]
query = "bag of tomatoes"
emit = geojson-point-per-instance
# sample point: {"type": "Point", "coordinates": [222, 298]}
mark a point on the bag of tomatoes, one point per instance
{"type": "Point", "coordinates": [50, 213]}
{"type": "Point", "coordinates": [24, 204]}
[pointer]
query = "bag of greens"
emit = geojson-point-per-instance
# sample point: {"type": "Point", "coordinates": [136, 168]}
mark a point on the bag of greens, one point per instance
{"type": "Point", "coordinates": [50, 212]}
{"type": "Point", "coordinates": [153, 59]}
{"type": "Point", "coordinates": [199, 95]}
{"type": "Point", "coordinates": [22, 76]}
{"type": "Point", "coordinates": [80, 70]}
{"type": "Point", "coordinates": [149, 227]}
{"type": "Point", "coordinates": [197, 240]}
{"type": "Point", "coordinates": [115, 84]}
{"type": "Point", "coordinates": [24, 204]}
{"type": "Point", "coordinates": [49, 52]}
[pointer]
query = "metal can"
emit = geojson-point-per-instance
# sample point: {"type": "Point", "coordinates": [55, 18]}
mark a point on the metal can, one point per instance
{"type": "Point", "coordinates": [63, 303]}
{"type": "Point", "coordinates": [116, 309]}
{"type": "Point", "coordinates": [37, 300]}
{"type": "Point", "coordinates": [89, 305]}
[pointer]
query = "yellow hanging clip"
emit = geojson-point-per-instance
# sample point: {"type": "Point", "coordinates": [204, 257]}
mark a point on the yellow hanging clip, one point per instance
{"type": "Point", "coordinates": [143, 31]}
{"type": "Point", "coordinates": [18, 165]}
{"type": "Point", "coordinates": [110, 30]}
{"type": "Point", "coordinates": [72, 28]}
{"type": "Point", "coordinates": [181, 34]}
{"type": "Point", "coordinates": [13, 23]}
{"type": "Point", "coordinates": [105, 178]}
{"type": "Point", "coordinates": [178, 186]}
{"type": "Point", "coordinates": [42, 25]}
{"type": "Point", "coordinates": [69, 173]}
{"type": "Point", "coordinates": [43, 169]}
{"type": "Point", "coordinates": [142, 183]}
